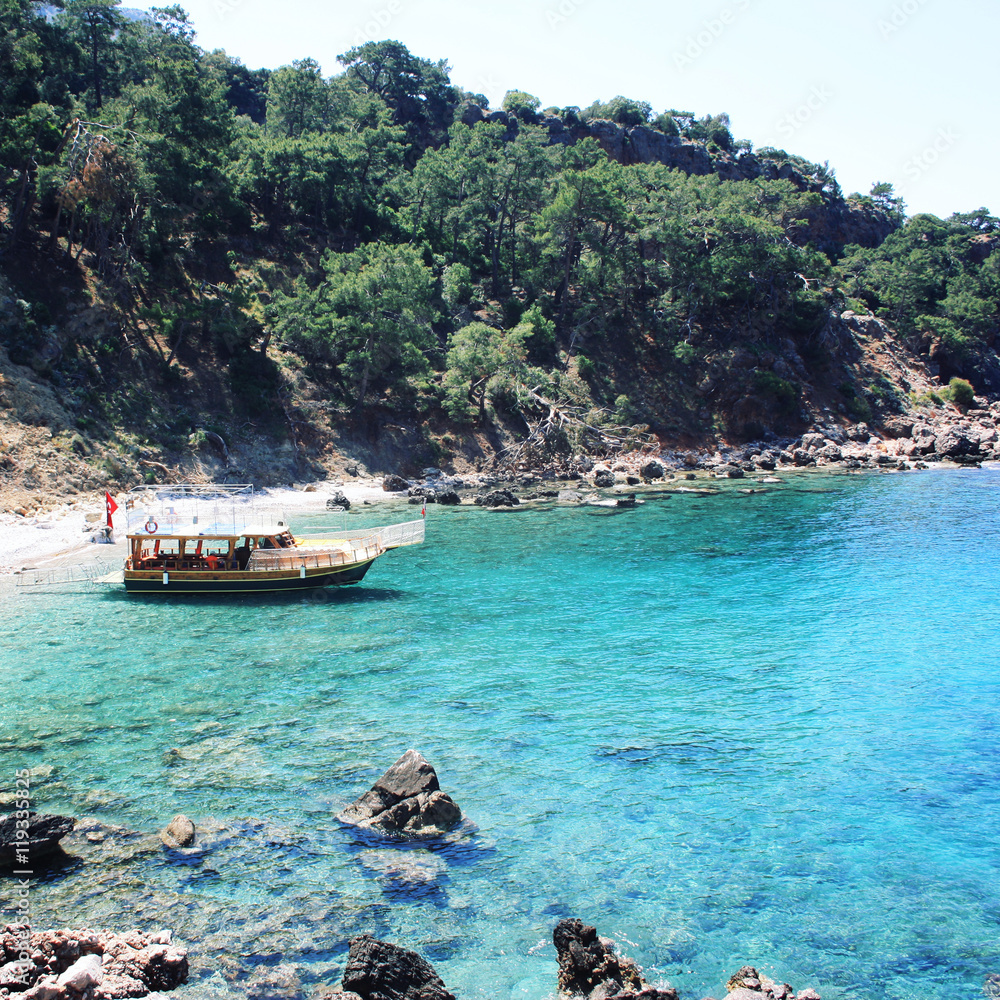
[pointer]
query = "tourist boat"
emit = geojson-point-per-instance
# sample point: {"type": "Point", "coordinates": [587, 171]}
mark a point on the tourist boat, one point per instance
{"type": "Point", "coordinates": [194, 539]}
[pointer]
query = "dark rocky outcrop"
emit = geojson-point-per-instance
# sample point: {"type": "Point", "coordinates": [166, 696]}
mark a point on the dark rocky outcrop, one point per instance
{"type": "Point", "coordinates": [590, 967]}
{"type": "Point", "coordinates": [652, 470]}
{"type": "Point", "coordinates": [99, 965]}
{"type": "Point", "coordinates": [338, 500]}
{"type": "Point", "coordinates": [43, 835]}
{"type": "Point", "coordinates": [406, 801]}
{"type": "Point", "coordinates": [498, 498]}
{"type": "Point", "coordinates": [832, 222]}
{"type": "Point", "coordinates": [604, 480]}
{"type": "Point", "coordinates": [378, 970]}
{"type": "Point", "coordinates": [395, 484]}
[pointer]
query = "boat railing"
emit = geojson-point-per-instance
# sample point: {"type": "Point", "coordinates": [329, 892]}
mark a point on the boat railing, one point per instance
{"type": "Point", "coordinates": [271, 560]}
{"type": "Point", "coordinates": [392, 536]}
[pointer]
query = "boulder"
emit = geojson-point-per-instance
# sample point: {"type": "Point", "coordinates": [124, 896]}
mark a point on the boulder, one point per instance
{"type": "Point", "coordinates": [406, 801]}
{"type": "Point", "coordinates": [338, 500]}
{"type": "Point", "coordinates": [379, 970]}
{"type": "Point", "coordinates": [43, 835]}
{"type": "Point", "coordinates": [590, 967]}
{"type": "Point", "coordinates": [449, 498]}
{"type": "Point", "coordinates": [82, 974]}
{"type": "Point", "coordinates": [498, 498]}
{"type": "Point", "coordinates": [898, 426]}
{"type": "Point", "coordinates": [652, 470]}
{"type": "Point", "coordinates": [471, 114]}
{"type": "Point", "coordinates": [604, 480]}
{"type": "Point", "coordinates": [951, 442]}
{"type": "Point", "coordinates": [395, 484]}
{"type": "Point", "coordinates": [179, 832]}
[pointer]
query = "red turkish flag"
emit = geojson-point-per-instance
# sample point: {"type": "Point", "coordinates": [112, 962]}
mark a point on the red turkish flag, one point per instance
{"type": "Point", "coordinates": [111, 506]}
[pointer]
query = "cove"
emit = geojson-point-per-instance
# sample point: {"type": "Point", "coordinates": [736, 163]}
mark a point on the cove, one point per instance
{"type": "Point", "coordinates": [734, 728]}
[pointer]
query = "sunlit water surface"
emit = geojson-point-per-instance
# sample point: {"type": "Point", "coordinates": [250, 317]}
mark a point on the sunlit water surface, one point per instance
{"type": "Point", "coordinates": [732, 728]}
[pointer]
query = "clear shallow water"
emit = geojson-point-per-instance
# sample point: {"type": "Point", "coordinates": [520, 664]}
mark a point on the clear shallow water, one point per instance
{"type": "Point", "coordinates": [724, 729]}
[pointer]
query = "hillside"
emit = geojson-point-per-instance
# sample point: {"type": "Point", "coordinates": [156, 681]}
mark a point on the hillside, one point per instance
{"type": "Point", "coordinates": [211, 271]}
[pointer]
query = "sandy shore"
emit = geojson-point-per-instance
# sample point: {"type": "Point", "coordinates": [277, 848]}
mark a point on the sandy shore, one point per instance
{"type": "Point", "coordinates": [69, 534]}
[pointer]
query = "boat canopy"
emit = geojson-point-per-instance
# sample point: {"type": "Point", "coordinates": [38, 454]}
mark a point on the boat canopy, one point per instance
{"type": "Point", "coordinates": [192, 510]}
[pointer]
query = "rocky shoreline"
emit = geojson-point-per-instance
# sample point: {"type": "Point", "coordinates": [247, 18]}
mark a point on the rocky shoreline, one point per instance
{"type": "Point", "coordinates": [902, 443]}
{"type": "Point", "coordinates": [87, 964]}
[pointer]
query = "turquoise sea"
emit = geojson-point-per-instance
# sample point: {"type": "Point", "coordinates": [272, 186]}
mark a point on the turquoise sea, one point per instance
{"type": "Point", "coordinates": [734, 728]}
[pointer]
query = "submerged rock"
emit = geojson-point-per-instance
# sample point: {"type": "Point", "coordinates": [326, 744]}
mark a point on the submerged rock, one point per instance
{"type": "Point", "coordinates": [40, 837]}
{"type": "Point", "coordinates": [378, 970]}
{"type": "Point", "coordinates": [590, 967]}
{"type": "Point", "coordinates": [278, 982]}
{"type": "Point", "coordinates": [406, 801]}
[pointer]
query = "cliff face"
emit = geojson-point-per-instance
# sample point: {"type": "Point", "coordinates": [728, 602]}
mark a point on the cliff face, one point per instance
{"type": "Point", "coordinates": [832, 226]}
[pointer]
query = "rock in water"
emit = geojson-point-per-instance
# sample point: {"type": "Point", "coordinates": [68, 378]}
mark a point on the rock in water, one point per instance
{"type": "Point", "coordinates": [378, 970]}
{"type": "Point", "coordinates": [179, 832]}
{"type": "Point", "coordinates": [498, 498]}
{"type": "Point", "coordinates": [395, 484]}
{"type": "Point", "coordinates": [406, 801]}
{"type": "Point", "coordinates": [589, 967]}
{"type": "Point", "coordinates": [73, 964]}
{"type": "Point", "coordinates": [44, 833]}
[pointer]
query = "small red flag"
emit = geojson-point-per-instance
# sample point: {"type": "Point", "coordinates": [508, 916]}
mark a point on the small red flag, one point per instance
{"type": "Point", "coordinates": [423, 510]}
{"type": "Point", "coordinates": [111, 507]}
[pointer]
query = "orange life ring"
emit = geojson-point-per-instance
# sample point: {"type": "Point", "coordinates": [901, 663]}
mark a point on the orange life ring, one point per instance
{"type": "Point", "coordinates": [151, 526]}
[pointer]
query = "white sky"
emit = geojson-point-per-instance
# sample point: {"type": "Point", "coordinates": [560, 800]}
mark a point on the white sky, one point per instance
{"type": "Point", "coordinates": [885, 90]}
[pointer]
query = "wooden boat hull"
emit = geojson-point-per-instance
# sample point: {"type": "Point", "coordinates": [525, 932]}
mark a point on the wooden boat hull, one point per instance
{"type": "Point", "coordinates": [202, 582]}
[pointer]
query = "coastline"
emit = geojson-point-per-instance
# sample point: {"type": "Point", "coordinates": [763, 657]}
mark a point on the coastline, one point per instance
{"type": "Point", "coordinates": [69, 534]}
{"type": "Point", "coordinates": [49, 532]}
